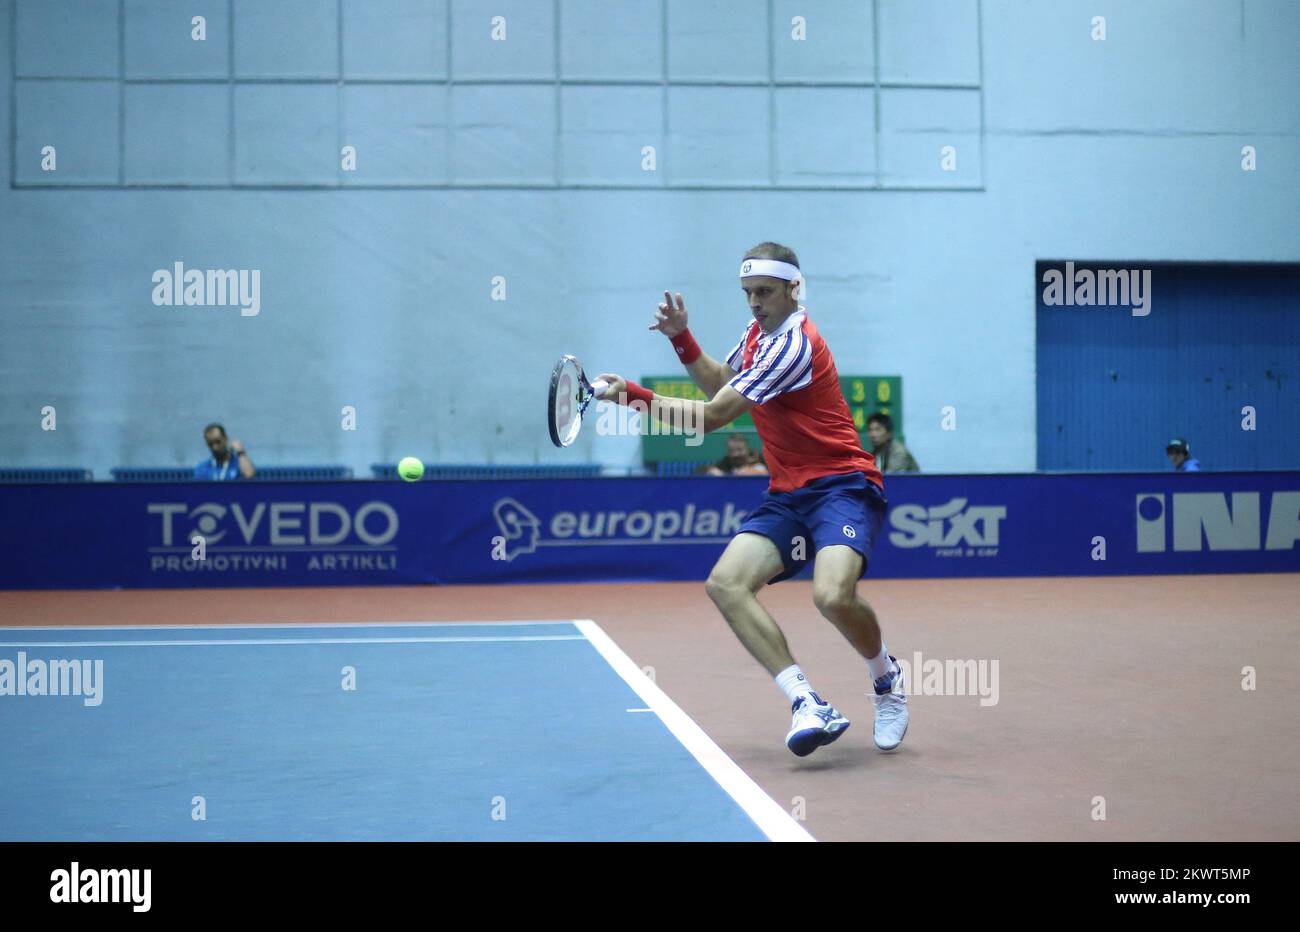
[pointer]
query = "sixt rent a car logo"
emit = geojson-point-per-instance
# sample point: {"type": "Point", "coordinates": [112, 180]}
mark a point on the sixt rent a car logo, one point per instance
{"type": "Point", "coordinates": [953, 524]}
{"type": "Point", "coordinates": [281, 524]}
{"type": "Point", "coordinates": [1206, 520]}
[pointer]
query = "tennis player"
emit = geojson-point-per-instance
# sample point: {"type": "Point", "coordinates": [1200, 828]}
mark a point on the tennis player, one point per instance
{"type": "Point", "coordinates": [825, 497]}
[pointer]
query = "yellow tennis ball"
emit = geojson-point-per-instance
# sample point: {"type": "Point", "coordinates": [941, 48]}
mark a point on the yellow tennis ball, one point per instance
{"type": "Point", "coordinates": [410, 469]}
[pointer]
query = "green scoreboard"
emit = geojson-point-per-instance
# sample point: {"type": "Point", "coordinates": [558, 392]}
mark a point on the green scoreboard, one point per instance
{"type": "Point", "coordinates": [864, 393]}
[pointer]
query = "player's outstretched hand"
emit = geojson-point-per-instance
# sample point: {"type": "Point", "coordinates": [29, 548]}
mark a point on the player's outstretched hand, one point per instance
{"type": "Point", "coordinates": [670, 318]}
{"type": "Point", "coordinates": [617, 386]}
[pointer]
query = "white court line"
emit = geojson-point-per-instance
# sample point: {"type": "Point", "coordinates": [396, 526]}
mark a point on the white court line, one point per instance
{"type": "Point", "coordinates": [284, 624]}
{"type": "Point", "coordinates": [257, 642]}
{"type": "Point", "coordinates": [771, 819]}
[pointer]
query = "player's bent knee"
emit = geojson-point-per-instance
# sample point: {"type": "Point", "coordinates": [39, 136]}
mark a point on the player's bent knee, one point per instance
{"type": "Point", "coordinates": [727, 590]}
{"type": "Point", "coordinates": [723, 589]}
{"type": "Point", "coordinates": [834, 601]}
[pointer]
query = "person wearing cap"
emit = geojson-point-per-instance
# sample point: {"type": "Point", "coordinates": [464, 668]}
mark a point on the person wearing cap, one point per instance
{"type": "Point", "coordinates": [1180, 454]}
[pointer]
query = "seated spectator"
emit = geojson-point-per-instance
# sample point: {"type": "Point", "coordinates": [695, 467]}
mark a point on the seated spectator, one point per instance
{"type": "Point", "coordinates": [1180, 454]}
{"type": "Point", "coordinates": [890, 454]}
{"type": "Point", "coordinates": [741, 460]}
{"type": "Point", "coordinates": [228, 461]}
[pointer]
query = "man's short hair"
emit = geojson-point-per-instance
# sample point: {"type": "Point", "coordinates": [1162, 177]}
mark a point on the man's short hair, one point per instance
{"type": "Point", "coordinates": [214, 427]}
{"type": "Point", "coordinates": [884, 420]}
{"type": "Point", "coordinates": [773, 251]}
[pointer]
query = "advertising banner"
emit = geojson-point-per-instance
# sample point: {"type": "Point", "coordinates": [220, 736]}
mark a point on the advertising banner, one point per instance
{"type": "Point", "coordinates": [129, 535]}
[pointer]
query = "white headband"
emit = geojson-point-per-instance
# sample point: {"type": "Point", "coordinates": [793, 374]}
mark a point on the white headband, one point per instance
{"type": "Point", "coordinates": [776, 269]}
{"type": "Point", "coordinates": [772, 267]}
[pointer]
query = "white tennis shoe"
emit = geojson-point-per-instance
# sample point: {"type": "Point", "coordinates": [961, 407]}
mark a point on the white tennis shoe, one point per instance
{"type": "Point", "coordinates": [891, 709]}
{"type": "Point", "coordinates": [815, 723]}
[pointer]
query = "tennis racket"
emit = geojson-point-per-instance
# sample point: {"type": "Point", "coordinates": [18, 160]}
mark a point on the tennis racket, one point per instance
{"type": "Point", "coordinates": [570, 396]}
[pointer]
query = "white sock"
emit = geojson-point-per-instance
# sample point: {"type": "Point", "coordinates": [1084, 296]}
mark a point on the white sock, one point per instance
{"type": "Point", "coordinates": [880, 665]}
{"type": "Point", "coordinates": [794, 684]}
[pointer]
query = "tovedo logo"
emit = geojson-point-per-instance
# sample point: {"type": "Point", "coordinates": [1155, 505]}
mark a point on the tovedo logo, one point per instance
{"type": "Point", "coordinates": [523, 531]}
{"type": "Point", "coordinates": [1216, 521]}
{"type": "Point", "coordinates": [263, 535]}
{"type": "Point", "coordinates": [948, 527]}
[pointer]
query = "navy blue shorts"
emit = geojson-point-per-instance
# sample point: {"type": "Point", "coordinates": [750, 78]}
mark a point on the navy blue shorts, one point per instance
{"type": "Point", "coordinates": [847, 509]}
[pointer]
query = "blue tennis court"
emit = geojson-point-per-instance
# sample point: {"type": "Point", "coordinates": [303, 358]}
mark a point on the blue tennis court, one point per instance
{"type": "Point", "coordinates": [521, 731]}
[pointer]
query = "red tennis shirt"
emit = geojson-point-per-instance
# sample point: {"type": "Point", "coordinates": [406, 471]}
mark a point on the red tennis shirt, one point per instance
{"type": "Point", "coordinates": [799, 410]}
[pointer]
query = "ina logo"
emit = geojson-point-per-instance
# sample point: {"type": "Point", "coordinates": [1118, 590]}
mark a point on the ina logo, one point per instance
{"type": "Point", "coordinates": [1216, 521]}
{"type": "Point", "coordinates": [849, 532]}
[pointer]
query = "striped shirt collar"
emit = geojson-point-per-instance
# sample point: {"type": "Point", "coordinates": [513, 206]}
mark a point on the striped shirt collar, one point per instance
{"type": "Point", "coordinates": [794, 320]}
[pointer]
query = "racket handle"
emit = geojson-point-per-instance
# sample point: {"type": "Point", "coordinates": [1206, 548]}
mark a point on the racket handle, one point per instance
{"type": "Point", "coordinates": [598, 387]}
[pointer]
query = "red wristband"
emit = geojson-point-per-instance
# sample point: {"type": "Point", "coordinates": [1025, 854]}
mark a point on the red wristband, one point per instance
{"type": "Point", "coordinates": [636, 392]}
{"type": "Point", "coordinates": [686, 347]}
